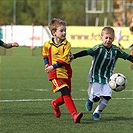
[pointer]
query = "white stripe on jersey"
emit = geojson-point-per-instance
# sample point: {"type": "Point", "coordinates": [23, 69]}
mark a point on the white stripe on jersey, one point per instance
{"type": "Point", "coordinates": [107, 67]}
{"type": "Point", "coordinates": [105, 56]}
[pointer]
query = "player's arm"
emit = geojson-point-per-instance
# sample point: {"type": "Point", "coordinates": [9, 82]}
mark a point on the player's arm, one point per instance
{"type": "Point", "coordinates": [45, 54]}
{"type": "Point", "coordinates": [80, 54]}
{"type": "Point", "coordinates": [49, 68]}
{"type": "Point", "coordinates": [54, 66]}
{"type": "Point", "coordinates": [130, 58]}
{"type": "Point", "coordinates": [10, 45]}
{"type": "Point", "coordinates": [58, 64]}
{"type": "Point", "coordinates": [46, 62]}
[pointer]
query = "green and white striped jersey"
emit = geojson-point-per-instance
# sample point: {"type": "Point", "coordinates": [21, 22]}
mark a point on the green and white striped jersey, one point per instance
{"type": "Point", "coordinates": [103, 62]}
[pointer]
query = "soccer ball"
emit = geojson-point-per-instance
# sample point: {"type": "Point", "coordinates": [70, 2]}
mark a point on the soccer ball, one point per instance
{"type": "Point", "coordinates": [117, 82]}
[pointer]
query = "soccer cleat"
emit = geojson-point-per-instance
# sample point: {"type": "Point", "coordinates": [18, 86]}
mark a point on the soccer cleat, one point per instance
{"type": "Point", "coordinates": [56, 109]}
{"type": "Point", "coordinates": [77, 117]}
{"type": "Point", "coordinates": [89, 105]}
{"type": "Point", "coordinates": [96, 116]}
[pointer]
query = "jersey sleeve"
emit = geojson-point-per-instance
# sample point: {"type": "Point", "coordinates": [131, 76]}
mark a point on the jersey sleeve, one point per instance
{"type": "Point", "coordinates": [122, 54]}
{"type": "Point", "coordinates": [93, 51]}
{"type": "Point", "coordinates": [45, 50]}
{"type": "Point", "coordinates": [1, 42]}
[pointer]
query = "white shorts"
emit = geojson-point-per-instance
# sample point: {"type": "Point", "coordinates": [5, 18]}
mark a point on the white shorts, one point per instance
{"type": "Point", "coordinates": [99, 90]}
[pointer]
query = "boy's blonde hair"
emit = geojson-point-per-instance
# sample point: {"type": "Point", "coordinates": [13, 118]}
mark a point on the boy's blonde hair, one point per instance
{"type": "Point", "coordinates": [108, 30]}
{"type": "Point", "coordinates": [55, 23]}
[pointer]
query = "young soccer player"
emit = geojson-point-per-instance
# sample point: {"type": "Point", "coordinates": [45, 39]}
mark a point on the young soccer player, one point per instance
{"type": "Point", "coordinates": [56, 53]}
{"type": "Point", "coordinates": [8, 45]}
{"type": "Point", "coordinates": [131, 46]}
{"type": "Point", "coordinates": [104, 57]}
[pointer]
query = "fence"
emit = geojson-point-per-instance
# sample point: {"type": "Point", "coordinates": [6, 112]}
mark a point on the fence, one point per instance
{"type": "Point", "coordinates": [79, 36]}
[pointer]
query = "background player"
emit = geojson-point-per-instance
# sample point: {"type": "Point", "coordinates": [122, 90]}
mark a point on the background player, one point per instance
{"type": "Point", "coordinates": [56, 53]}
{"type": "Point", "coordinates": [119, 36]}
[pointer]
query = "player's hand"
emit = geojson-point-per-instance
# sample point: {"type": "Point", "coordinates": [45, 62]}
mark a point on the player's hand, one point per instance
{"type": "Point", "coordinates": [15, 44]}
{"type": "Point", "coordinates": [71, 57]}
{"type": "Point", "coordinates": [49, 69]}
{"type": "Point", "coordinates": [46, 66]}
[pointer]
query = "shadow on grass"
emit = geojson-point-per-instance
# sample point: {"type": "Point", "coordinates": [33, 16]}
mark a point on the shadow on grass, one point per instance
{"type": "Point", "coordinates": [87, 119]}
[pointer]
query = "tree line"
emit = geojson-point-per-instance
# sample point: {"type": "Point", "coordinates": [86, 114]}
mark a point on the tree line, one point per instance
{"type": "Point", "coordinates": [39, 12]}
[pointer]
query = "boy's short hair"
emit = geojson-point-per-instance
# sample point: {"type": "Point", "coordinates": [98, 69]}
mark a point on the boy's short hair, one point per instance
{"type": "Point", "coordinates": [55, 23]}
{"type": "Point", "coordinates": [108, 29]}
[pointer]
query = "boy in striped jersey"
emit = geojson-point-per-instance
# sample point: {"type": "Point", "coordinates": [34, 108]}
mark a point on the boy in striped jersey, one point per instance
{"type": "Point", "coordinates": [104, 57]}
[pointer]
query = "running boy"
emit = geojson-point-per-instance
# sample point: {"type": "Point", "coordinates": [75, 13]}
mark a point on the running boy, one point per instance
{"type": "Point", "coordinates": [104, 57]}
{"type": "Point", "coordinates": [56, 53]}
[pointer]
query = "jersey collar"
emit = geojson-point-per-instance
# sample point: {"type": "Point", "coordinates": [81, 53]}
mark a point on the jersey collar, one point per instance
{"type": "Point", "coordinates": [64, 42]}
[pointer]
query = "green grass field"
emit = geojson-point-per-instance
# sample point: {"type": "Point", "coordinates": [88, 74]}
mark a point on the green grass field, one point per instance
{"type": "Point", "coordinates": [25, 95]}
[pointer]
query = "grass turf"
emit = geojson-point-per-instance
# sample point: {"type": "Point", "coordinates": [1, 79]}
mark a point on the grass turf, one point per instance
{"type": "Point", "coordinates": [25, 95]}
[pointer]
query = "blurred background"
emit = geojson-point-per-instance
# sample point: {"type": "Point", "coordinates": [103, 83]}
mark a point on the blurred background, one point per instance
{"type": "Point", "coordinates": [75, 12]}
{"type": "Point", "coordinates": [85, 20]}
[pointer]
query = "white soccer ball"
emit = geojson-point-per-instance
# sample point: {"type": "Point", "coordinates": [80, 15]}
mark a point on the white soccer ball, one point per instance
{"type": "Point", "coordinates": [117, 82]}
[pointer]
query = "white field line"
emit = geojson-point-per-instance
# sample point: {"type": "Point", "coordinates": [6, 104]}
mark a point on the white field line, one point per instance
{"type": "Point", "coordinates": [50, 90]}
{"type": "Point", "coordinates": [27, 90]}
{"type": "Point", "coordinates": [122, 91]}
{"type": "Point", "coordinates": [45, 100]}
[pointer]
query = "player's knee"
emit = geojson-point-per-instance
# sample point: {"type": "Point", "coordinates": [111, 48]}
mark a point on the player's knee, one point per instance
{"type": "Point", "coordinates": [65, 91]}
{"type": "Point", "coordinates": [96, 99]}
{"type": "Point", "coordinates": [107, 98]}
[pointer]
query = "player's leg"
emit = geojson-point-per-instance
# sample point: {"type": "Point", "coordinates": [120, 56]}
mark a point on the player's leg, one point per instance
{"type": "Point", "coordinates": [106, 96]}
{"type": "Point", "coordinates": [70, 104]}
{"type": "Point", "coordinates": [94, 95]}
{"type": "Point", "coordinates": [59, 100]}
{"type": "Point", "coordinates": [64, 86]}
{"type": "Point", "coordinates": [101, 106]}
{"type": "Point", "coordinates": [89, 103]}
{"type": "Point", "coordinates": [55, 104]}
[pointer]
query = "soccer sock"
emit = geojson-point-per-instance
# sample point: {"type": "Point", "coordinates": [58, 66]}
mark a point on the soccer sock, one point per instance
{"type": "Point", "coordinates": [69, 104]}
{"type": "Point", "coordinates": [59, 101]}
{"type": "Point", "coordinates": [91, 99]}
{"type": "Point", "coordinates": [103, 103]}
